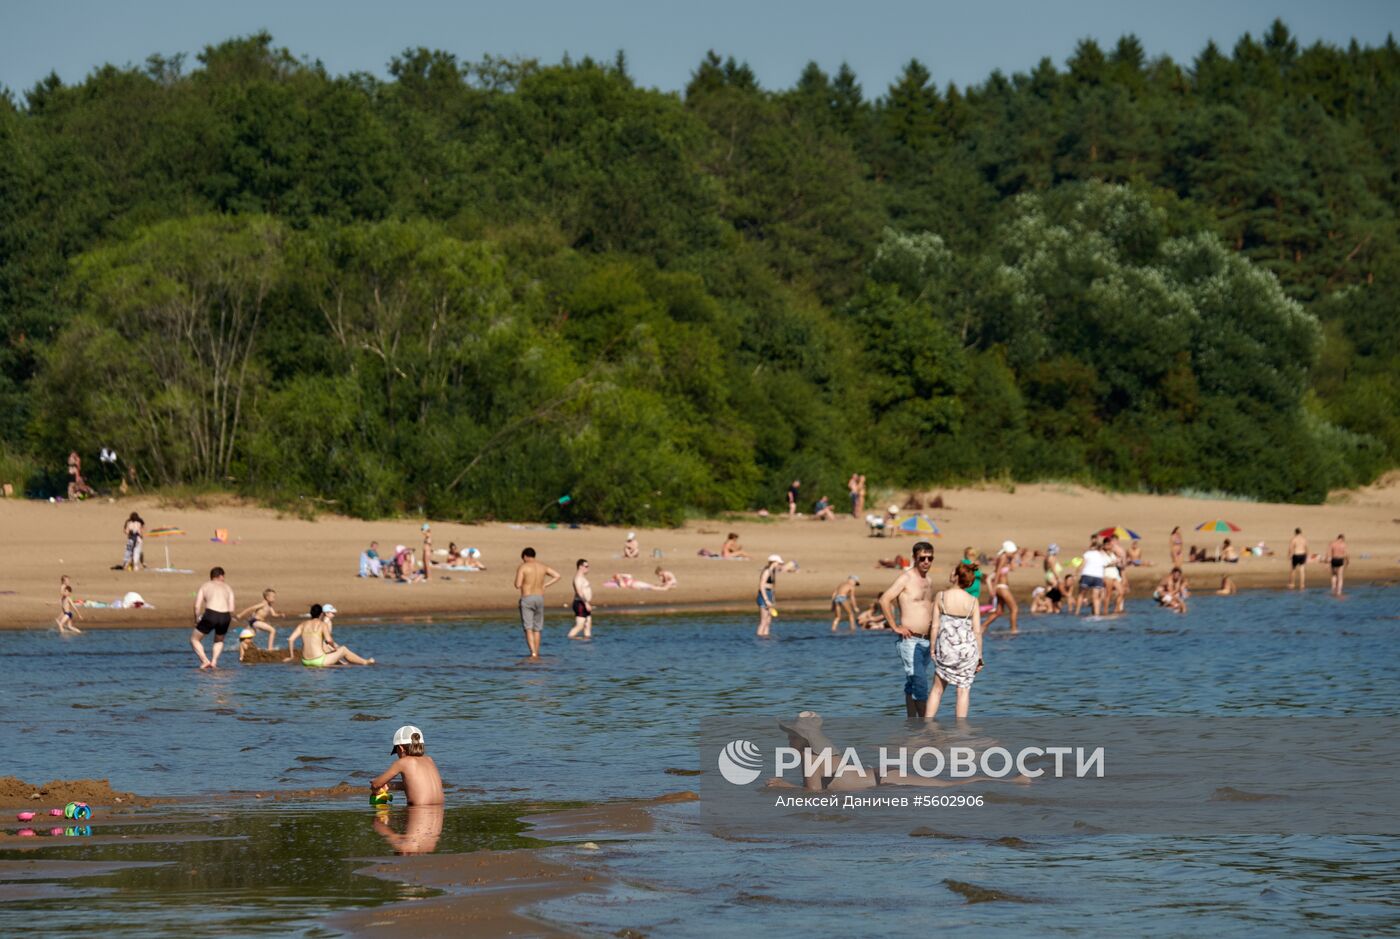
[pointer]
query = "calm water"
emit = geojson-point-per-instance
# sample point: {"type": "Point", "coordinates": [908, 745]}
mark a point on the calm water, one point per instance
{"type": "Point", "coordinates": [607, 719]}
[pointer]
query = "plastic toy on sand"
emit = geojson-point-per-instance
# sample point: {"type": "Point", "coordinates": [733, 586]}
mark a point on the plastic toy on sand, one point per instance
{"type": "Point", "coordinates": [382, 796]}
{"type": "Point", "coordinates": [25, 816]}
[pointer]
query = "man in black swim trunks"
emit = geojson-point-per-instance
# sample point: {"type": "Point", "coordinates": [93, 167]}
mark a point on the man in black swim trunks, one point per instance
{"type": "Point", "coordinates": [1298, 556]}
{"type": "Point", "coordinates": [213, 612]}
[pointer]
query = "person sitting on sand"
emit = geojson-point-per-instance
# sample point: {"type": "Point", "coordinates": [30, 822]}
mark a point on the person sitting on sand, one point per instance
{"type": "Point", "coordinates": [318, 649]}
{"type": "Point", "coordinates": [418, 774]}
{"type": "Point", "coordinates": [732, 549]}
{"type": "Point", "coordinates": [1229, 553]}
{"type": "Point", "coordinates": [1135, 555]}
{"type": "Point", "coordinates": [405, 568]}
{"type": "Point", "coordinates": [822, 510]}
{"type": "Point", "coordinates": [1227, 587]}
{"type": "Point", "coordinates": [819, 754]}
{"type": "Point", "coordinates": [898, 562]}
{"type": "Point", "coordinates": [454, 555]}
{"type": "Point", "coordinates": [258, 614]}
{"type": "Point", "coordinates": [371, 564]}
{"type": "Point", "coordinates": [630, 548]}
{"type": "Point", "coordinates": [844, 600]}
{"type": "Point", "coordinates": [665, 579]}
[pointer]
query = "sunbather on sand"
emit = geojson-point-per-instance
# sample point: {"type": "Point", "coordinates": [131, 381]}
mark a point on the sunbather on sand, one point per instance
{"type": "Point", "coordinates": [732, 549]}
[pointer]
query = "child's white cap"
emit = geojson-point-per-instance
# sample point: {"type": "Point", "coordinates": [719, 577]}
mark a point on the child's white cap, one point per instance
{"type": "Point", "coordinates": [327, 608]}
{"type": "Point", "coordinates": [856, 579]}
{"type": "Point", "coordinates": [427, 527]}
{"type": "Point", "coordinates": [775, 559]}
{"type": "Point", "coordinates": [1008, 547]}
{"type": "Point", "coordinates": [246, 634]}
{"type": "Point", "coordinates": [404, 735]}
{"type": "Point", "coordinates": [631, 535]}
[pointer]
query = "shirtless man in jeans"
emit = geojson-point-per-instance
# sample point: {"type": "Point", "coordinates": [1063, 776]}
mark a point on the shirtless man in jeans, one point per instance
{"type": "Point", "coordinates": [915, 595]}
{"type": "Point", "coordinates": [531, 579]}
{"type": "Point", "coordinates": [213, 611]}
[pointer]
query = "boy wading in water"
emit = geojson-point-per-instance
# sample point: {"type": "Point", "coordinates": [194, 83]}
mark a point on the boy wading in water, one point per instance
{"type": "Point", "coordinates": [1298, 560]}
{"type": "Point", "coordinates": [844, 600]}
{"type": "Point", "coordinates": [67, 610]}
{"type": "Point", "coordinates": [915, 596]}
{"type": "Point", "coordinates": [258, 614]}
{"type": "Point", "coordinates": [213, 612]}
{"type": "Point", "coordinates": [419, 780]}
{"type": "Point", "coordinates": [583, 603]}
{"type": "Point", "coordinates": [531, 579]}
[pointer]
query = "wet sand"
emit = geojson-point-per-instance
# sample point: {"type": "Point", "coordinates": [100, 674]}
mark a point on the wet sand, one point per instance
{"type": "Point", "coordinates": [316, 561]}
{"type": "Point", "coordinates": [484, 892]}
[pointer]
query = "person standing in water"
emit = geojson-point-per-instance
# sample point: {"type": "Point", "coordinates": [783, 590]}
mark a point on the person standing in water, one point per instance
{"type": "Point", "coordinates": [1298, 559]}
{"type": "Point", "coordinates": [258, 615]}
{"type": "Point", "coordinates": [531, 579]}
{"type": "Point", "coordinates": [1000, 582]}
{"type": "Point", "coordinates": [213, 612]}
{"type": "Point", "coordinates": [1337, 557]}
{"type": "Point", "coordinates": [67, 610]}
{"type": "Point", "coordinates": [957, 643]}
{"type": "Point", "coordinates": [914, 594]}
{"type": "Point", "coordinates": [583, 603]}
{"type": "Point", "coordinates": [767, 581]}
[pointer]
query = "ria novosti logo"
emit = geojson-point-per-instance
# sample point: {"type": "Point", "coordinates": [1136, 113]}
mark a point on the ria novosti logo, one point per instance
{"type": "Point", "coordinates": [740, 762]}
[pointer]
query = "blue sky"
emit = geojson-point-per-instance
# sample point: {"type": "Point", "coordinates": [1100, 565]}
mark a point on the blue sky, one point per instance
{"type": "Point", "coordinates": [664, 40]}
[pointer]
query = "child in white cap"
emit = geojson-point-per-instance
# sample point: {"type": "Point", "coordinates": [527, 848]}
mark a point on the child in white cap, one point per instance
{"type": "Point", "coordinates": [418, 774]}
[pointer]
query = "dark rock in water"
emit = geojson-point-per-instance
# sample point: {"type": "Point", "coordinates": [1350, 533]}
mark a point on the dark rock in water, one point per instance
{"type": "Point", "coordinates": [314, 759]}
{"type": "Point", "coordinates": [368, 717]}
{"type": "Point", "coordinates": [673, 771]}
{"type": "Point", "coordinates": [1011, 841]}
{"type": "Point", "coordinates": [1231, 794]}
{"type": "Point", "coordinates": [933, 833]}
{"type": "Point", "coordinates": [975, 894]}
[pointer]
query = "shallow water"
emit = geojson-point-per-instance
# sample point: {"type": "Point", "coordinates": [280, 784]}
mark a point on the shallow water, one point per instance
{"type": "Point", "coordinates": [607, 719]}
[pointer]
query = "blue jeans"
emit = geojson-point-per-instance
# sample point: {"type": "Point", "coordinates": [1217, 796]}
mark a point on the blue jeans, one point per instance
{"type": "Point", "coordinates": [918, 667]}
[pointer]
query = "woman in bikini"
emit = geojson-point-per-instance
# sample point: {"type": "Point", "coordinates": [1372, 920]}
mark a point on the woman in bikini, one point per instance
{"type": "Point", "coordinates": [1000, 582]}
{"type": "Point", "coordinates": [318, 649]}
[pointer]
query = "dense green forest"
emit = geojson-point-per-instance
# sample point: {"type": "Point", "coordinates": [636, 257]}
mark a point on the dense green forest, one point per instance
{"type": "Point", "coordinates": [470, 288]}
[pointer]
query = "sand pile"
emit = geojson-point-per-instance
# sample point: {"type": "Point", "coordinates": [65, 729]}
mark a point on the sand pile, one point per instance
{"type": "Point", "coordinates": [16, 792]}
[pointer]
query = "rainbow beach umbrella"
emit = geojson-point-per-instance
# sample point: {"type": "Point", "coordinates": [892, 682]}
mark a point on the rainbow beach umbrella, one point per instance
{"type": "Point", "coordinates": [165, 532]}
{"type": "Point", "coordinates": [1218, 524]}
{"type": "Point", "coordinates": [920, 525]}
{"type": "Point", "coordinates": [1119, 532]}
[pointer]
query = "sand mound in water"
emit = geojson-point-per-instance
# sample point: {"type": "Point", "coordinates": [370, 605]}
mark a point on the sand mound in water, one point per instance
{"type": "Point", "coordinates": [257, 656]}
{"type": "Point", "coordinates": [16, 792]}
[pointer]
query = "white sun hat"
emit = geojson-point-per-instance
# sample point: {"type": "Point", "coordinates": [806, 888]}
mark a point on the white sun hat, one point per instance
{"type": "Point", "coordinates": [1008, 547]}
{"type": "Point", "coordinates": [775, 559]}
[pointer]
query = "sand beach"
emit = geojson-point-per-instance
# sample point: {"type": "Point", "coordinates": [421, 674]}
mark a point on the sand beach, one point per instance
{"type": "Point", "coordinates": [315, 561]}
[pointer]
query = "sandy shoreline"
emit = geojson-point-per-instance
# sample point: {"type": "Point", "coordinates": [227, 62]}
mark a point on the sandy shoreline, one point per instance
{"type": "Point", "coordinates": [316, 561]}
